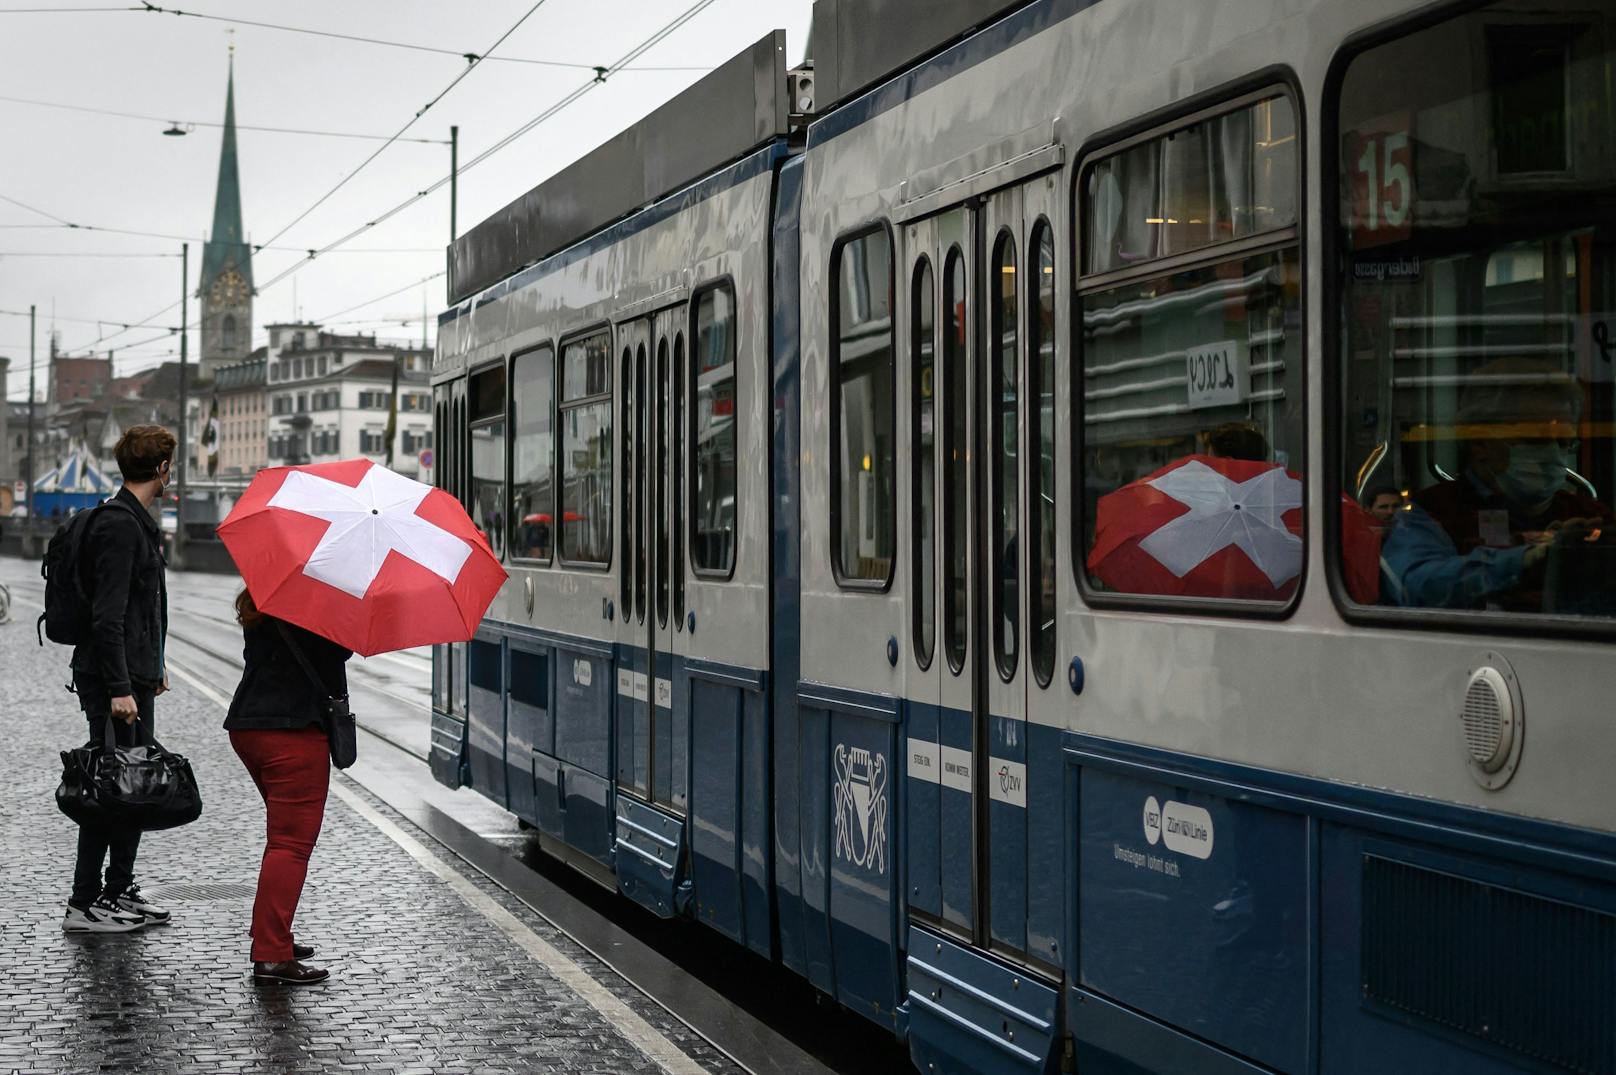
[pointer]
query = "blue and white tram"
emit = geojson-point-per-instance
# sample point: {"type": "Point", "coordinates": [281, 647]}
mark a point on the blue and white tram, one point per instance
{"type": "Point", "coordinates": [1057, 540]}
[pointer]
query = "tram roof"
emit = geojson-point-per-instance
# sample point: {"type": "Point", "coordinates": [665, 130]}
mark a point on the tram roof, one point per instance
{"type": "Point", "coordinates": [732, 110]}
{"type": "Point", "coordinates": [860, 43]}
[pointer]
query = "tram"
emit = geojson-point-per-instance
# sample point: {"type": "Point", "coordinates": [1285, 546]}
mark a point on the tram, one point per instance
{"type": "Point", "coordinates": [1052, 521]}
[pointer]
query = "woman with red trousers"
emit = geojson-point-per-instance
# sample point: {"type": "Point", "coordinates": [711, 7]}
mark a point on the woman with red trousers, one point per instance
{"type": "Point", "coordinates": [276, 727]}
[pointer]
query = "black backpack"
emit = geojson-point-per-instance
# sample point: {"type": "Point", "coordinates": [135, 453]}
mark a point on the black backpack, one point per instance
{"type": "Point", "coordinates": [66, 619]}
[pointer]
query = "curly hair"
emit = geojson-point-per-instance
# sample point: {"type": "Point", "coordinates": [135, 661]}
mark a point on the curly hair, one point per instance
{"type": "Point", "coordinates": [142, 450]}
{"type": "Point", "coordinates": [247, 613]}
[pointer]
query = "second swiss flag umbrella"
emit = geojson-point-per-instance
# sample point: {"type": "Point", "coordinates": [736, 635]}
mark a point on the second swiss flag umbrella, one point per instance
{"type": "Point", "coordinates": [1202, 526]}
{"type": "Point", "coordinates": [364, 556]}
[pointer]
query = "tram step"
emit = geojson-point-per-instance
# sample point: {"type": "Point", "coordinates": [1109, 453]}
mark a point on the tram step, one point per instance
{"type": "Point", "coordinates": [970, 1013]}
{"type": "Point", "coordinates": [652, 867]}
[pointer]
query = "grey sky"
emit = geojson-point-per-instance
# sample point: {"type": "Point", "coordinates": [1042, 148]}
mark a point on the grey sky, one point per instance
{"type": "Point", "coordinates": [122, 173]}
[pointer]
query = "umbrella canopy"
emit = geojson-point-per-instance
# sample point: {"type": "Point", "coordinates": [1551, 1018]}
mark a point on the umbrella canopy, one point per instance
{"type": "Point", "coordinates": [1202, 526]}
{"type": "Point", "coordinates": [361, 555]}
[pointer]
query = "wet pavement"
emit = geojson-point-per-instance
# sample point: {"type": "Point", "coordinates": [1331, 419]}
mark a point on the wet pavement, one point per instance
{"type": "Point", "coordinates": [435, 968]}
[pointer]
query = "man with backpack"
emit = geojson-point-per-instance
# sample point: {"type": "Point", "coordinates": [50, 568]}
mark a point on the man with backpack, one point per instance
{"type": "Point", "coordinates": [112, 604]}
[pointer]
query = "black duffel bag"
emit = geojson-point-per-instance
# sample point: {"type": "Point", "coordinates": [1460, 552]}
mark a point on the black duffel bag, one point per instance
{"type": "Point", "coordinates": [140, 787]}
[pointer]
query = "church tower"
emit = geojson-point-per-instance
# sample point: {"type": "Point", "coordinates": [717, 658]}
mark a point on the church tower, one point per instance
{"type": "Point", "coordinates": [226, 286]}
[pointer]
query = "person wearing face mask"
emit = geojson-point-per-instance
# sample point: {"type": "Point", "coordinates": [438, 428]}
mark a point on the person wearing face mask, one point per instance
{"type": "Point", "coordinates": [118, 672]}
{"type": "Point", "coordinates": [1483, 539]}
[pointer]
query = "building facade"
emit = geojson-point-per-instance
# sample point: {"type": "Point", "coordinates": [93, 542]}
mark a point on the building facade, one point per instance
{"type": "Point", "coordinates": [330, 398]}
{"type": "Point", "coordinates": [76, 380]}
{"type": "Point", "coordinates": [238, 407]}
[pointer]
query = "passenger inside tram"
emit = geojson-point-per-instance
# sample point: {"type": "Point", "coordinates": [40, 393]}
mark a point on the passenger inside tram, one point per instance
{"type": "Point", "coordinates": [1516, 529]}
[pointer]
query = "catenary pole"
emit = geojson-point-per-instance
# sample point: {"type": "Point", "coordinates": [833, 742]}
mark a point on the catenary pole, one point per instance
{"type": "Point", "coordinates": [29, 494]}
{"type": "Point", "coordinates": [454, 178]}
{"type": "Point", "coordinates": [179, 506]}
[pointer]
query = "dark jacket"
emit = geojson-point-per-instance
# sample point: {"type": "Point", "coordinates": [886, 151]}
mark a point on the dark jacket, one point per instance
{"type": "Point", "coordinates": [275, 691]}
{"type": "Point", "coordinates": [123, 576]}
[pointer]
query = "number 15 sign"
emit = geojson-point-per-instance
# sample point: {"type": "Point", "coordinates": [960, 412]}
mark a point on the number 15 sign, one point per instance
{"type": "Point", "coordinates": [1380, 164]}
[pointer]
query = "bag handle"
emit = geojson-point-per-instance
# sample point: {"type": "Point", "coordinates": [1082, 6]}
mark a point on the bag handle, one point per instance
{"type": "Point", "coordinates": [303, 660]}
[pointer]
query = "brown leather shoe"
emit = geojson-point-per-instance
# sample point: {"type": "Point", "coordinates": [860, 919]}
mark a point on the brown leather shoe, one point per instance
{"type": "Point", "coordinates": [289, 972]}
{"type": "Point", "coordinates": [302, 951]}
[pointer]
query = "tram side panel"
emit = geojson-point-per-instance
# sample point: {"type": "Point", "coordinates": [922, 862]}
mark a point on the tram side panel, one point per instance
{"type": "Point", "coordinates": [848, 711]}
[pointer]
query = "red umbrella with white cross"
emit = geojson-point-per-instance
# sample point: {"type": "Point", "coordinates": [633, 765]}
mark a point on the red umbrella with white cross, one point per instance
{"type": "Point", "coordinates": [1202, 527]}
{"type": "Point", "coordinates": [362, 555]}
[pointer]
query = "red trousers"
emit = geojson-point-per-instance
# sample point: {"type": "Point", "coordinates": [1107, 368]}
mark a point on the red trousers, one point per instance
{"type": "Point", "coordinates": [292, 768]}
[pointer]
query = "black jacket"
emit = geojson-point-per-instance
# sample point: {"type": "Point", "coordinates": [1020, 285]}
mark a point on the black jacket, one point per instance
{"type": "Point", "coordinates": [123, 576]}
{"type": "Point", "coordinates": [274, 691]}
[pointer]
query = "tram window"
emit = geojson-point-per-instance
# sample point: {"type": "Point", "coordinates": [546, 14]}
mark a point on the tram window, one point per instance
{"type": "Point", "coordinates": [1004, 440]}
{"type": "Point", "coordinates": [625, 570]}
{"type": "Point", "coordinates": [639, 483]}
{"type": "Point", "coordinates": [713, 434]}
{"type": "Point", "coordinates": [1230, 176]}
{"type": "Point", "coordinates": [862, 465]}
{"type": "Point", "coordinates": [1191, 391]}
{"type": "Point", "coordinates": [923, 457]}
{"type": "Point", "coordinates": [1041, 467]}
{"type": "Point", "coordinates": [678, 482]}
{"type": "Point", "coordinates": [586, 450]}
{"type": "Point", "coordinates": [663, 461]}
{"type": "Point", "coordinates": [488, 455]}
{"type": "Point", "coordinates": [956, 460]}
{"type": "Point", "coordinates": [1476, 224]}
{"type": "Point", "coordinates": [533, 455]}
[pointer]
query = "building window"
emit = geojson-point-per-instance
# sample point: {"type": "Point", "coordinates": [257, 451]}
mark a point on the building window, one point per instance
{"type": "Point", "coordinates": [713, 435]}
{"type": "Point", "coordinates": [323, 366]}
{"type": "Point", "coordinates": [1191, 397]}
{"type": "Point", "coordinates": [862, 464]}
{"type": "Point", "coordinates": [228, 334]}
{"type": "Point", "coordinates": [586, 450]}
{"type": "Point", "coordinates": [532, 454]}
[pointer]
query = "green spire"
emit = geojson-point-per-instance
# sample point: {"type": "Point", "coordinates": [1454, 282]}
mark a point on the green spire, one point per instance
{"type": "Point", "coordinates": [227, 242]}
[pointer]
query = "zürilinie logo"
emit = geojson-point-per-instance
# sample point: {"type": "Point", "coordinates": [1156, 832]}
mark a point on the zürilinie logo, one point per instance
{"type": "Point", "coordinates": [1184, 829]}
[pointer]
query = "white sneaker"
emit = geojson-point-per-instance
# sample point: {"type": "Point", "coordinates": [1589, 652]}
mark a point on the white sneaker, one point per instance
{"type": "Point", "coordinates": [133, 901]}
{"type": "Point", "coordinates": [100, 917]}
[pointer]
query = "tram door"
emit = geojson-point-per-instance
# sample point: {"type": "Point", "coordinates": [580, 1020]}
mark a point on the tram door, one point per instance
{"type": "Point", "coordinates": [648, 503]}
{"type": "Point", "coordinates": [975, 258]}
{"type": "Point", "coordinates": [941, 273]}
{"type": "Point", "coordinates": [633, 638]}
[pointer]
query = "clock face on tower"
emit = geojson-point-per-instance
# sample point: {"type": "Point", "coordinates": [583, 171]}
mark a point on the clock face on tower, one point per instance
{"type": "Point", "coordinates": [229, 289]}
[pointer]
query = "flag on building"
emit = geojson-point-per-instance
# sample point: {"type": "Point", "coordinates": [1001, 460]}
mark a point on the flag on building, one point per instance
{"type": "Point", "coordinates": [210, 437]}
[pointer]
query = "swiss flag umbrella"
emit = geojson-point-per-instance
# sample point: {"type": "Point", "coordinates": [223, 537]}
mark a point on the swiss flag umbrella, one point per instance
{"type": "Point", "coordinates": [1202, 526]}
{"type": "Point", "coordinates": [361, 555]}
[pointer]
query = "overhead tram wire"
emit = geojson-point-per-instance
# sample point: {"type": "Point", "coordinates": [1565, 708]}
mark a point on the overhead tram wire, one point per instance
{"type": "Point", "coordinates": [599, 79]}
{"type": "Point", "coordinates": [63, 223]}
{"type": "Point", "coordinates": [469, 68]}
{"type": "Point", "coordinates": [379, 298]}
{"type": "Point", "coordinates": [209, 123]}
{"type": "Point", "coordinates": [472, 58]}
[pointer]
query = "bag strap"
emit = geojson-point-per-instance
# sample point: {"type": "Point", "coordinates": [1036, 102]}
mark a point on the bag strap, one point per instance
{"type": "Point", "coordinates": [303, 660]}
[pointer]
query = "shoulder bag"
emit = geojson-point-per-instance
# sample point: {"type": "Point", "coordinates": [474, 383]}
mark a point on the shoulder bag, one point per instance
{"type": "Point", "coordinates": [334, 712]}
{"type": "Point", "coordinates": [140, 787]}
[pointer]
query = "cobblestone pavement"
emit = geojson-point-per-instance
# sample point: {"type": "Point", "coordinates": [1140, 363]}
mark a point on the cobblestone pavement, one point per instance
{"type": "Point", "coordinates": [421, 981]}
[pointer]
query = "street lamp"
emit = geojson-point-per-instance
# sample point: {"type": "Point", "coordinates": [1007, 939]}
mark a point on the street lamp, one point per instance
{"type": "Point", "coordinates": [176, 131]}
